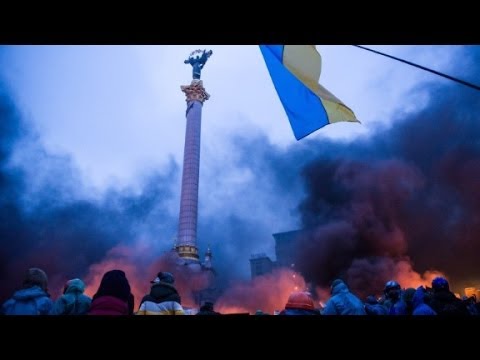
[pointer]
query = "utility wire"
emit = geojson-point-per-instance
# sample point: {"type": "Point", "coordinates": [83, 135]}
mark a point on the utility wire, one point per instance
{"type": "Point", "coordinates": [463, 82]}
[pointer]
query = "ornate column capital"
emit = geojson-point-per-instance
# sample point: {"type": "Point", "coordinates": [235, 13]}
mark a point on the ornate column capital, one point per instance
{"type": "Point", "coordinates": [195, 91]}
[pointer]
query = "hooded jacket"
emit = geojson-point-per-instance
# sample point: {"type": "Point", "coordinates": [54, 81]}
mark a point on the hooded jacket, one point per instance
{"type": "Point", "coordinates": [419, 306]}
{"type": "Point", "coordinates": [113, 296]}
{"type": "Point", "coordinates": [29, 301]}
{"type": "Point", "coordinates": [73, 301]}
{"type": "Point", "coordinates": [343, 302]}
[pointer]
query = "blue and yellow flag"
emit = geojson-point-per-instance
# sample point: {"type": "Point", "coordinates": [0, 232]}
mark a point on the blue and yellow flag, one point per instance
{"type": "Point", "coordinates": [295, 72]}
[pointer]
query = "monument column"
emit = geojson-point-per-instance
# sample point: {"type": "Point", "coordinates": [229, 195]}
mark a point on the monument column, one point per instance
{"type": "Point", "coordinates": [195, 97]}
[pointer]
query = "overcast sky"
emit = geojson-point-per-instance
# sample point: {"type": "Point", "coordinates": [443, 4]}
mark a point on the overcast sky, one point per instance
{"type": "Point", "coordinates": [118, 111]}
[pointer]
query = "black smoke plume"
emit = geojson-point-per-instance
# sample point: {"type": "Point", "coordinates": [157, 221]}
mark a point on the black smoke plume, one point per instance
{"type": "Point", "coordinates": [47, 220]}
{"type": "Point", "coordinates": [400, 201]}
{"type": "Point", "coordinates": [404, 199]}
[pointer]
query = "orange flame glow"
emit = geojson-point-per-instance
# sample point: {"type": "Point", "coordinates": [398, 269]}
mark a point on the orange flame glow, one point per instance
{"type": "Point", "coordinates": [408, 278]}
{"type": "Point", "coordinates": [121, 258]}
{"type": "Point", "coordinates": [140, 269]}
{"type": "Point", "coordinates": [268, 292]}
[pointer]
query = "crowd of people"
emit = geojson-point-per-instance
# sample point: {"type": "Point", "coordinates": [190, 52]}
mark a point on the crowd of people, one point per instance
{"type": "Point", "coordinates": [114, 297]}
{"type": "Point", "coordinates": [437, 300]}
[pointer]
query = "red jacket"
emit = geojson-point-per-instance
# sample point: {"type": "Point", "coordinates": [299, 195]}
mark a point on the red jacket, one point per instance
{"type": "Point", "coordinates": [108, 305]}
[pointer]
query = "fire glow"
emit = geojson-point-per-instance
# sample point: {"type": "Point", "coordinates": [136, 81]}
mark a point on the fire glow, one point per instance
{"type": "Point", "coordinates": [267, 293]}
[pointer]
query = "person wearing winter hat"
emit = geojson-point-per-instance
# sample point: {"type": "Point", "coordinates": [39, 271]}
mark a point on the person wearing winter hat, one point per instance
{"type": "Point", "coordinates": [163, 298]}
{"type": "Point", "coordinates": [300, 303]}
{"type": "Point", "coordinates": [33, 298]}
{"type": "Point", "coordinates": [113, 296]}
{"type": "Point", "coordinates": [73, 301]}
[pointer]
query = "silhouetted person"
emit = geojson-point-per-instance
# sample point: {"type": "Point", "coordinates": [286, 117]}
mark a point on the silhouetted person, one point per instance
{"type": "Point", "coordinates": [443, 301]}
{"type": "Point", "coordinates": [300, 303]}
{"type": "Point", "coordinates": [470, 304]}
{"type": "Point", "coordinates": [33, 298]}
{"type": "Point", "coordinates": [393, 299]}
{"type": "Point", "coordinates": [418, 303]}
{"type": "Point", "coordinates": [343, 302]}
{"type": "Point", "coordinates": [113, 296]}
{"type": "Point", "coordinates": [407, 297]}
{"type": "Point", "coordinates": [207, 309]}
{"type": "Point", "coordinates": [163, 298]}
{"type": "Point", "coordinates": [373, 307]}
{"type": "Point", "coordinates": [73, 301]}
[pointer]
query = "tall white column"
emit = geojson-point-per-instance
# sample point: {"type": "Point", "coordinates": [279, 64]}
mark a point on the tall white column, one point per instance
{"type": "Point", "coordinates": [187, 227]}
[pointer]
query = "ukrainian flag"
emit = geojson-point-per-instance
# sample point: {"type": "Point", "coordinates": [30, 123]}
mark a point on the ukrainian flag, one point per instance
{"type": "Point", "coordinates": [295, 71]}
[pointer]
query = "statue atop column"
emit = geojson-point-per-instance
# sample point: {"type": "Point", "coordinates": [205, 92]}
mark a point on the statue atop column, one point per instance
{"type": "Point", "coordinates": [197, 59]}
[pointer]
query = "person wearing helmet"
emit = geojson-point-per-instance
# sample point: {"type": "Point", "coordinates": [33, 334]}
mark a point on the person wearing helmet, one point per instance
{"type": "Point", "coordinates": [444, 302]}
{"type": "Point", "coordinates": [393, 299]}
{"type": "Point", "coordinates": [300, 303]}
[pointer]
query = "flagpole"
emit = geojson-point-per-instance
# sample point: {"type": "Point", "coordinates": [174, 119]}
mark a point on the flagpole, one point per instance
{"type": "Point", "coordinates": [463, 82]}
